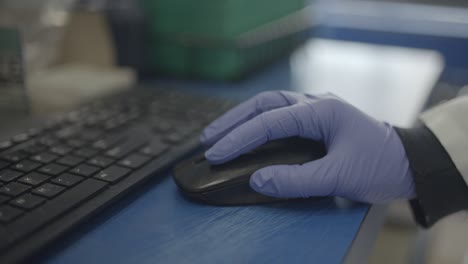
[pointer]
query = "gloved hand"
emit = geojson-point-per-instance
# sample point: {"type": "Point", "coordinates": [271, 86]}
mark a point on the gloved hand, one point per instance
{"type": "Point", "coordinates": [365, 158]}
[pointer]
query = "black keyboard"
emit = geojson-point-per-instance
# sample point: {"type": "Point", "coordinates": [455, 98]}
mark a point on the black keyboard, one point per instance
{"type": "Point", "coordinates": [62, 170]}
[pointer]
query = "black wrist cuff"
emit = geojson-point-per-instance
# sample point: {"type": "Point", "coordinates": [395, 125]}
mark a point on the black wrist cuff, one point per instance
{"type": "Point", "coordinates": [440, 188]}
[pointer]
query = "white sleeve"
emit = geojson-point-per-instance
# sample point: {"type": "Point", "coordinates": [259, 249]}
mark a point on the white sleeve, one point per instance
{"type": "Point", "coordinates": [449, 123]}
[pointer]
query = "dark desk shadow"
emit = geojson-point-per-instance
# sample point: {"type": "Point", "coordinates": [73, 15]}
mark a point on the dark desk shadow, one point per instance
{"type": "Point", "coordinates": [299, 205]}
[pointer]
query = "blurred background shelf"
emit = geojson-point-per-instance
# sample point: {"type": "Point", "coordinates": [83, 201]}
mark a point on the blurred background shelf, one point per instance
{"type": "Point", "coordinates": [421, 24]}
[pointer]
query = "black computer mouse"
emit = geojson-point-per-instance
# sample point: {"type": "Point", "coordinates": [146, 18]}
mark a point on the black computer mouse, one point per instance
{"type": "Point", "coordinates": [228, 183]}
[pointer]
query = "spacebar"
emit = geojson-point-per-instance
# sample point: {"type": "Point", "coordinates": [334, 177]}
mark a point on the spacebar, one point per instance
{"type": "Point", "coordinates": [51, 210]}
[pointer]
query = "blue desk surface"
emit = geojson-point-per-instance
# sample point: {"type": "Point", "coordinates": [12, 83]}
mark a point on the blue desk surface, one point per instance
{"type": "Point", "coordinates": [158, 225]}
{"type": "Point", "coordinates": [161, 226]}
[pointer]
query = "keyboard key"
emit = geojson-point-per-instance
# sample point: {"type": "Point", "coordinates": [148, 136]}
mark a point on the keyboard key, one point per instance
{"type": "Point", "coordinates": [67, 132]}
{"type": "Point", "coordinates": [85, 170]}
{"type": "Point", "coordinates": [33, 132]}
{"type": "Point", "coordinates": [155, 148]}
{"type": "Point", "coordinates": [111, 124]}
{"type": "Point", "coordinates": [5, 144]}
{"type": "Point", "coordinates": [67, 179]}
{"type": "Point", "coordinates": [13, 189]}
{"type": "Point", "coordinates": [76, 143]}
{"type": "Point", "coordinates": [115, 152]}
{"type": "Point", "coordinates": [47, 141]}
{"type": "Point", "coordinates": [53, 169]}
{"type": "Point", "coordinates": [161, 125]}
{"type": "Point", "coordinates": [3, 199]}
{"type": "Point", "coordinates": [101, 161]}
{"type": "Point", "coordinates": [174, 138]}
{"type": "Point", "coordinates": [70, 160]}
{"type": "Point", "coordinates": [134, 161]}
{"type": "Point", "coordinates": [34, 148]}
{"type": "Point", "coordinates": [9, 175]}
{"type": "Point", "coordinates": [27, 201]}
{"type": "Point", "coordinates": [107, 142]}
{"type": "Point", "coordinates": [44, 157]}
{"type": "Point", "coordinates": [124, 149]}
{"type": "Point", "coordinates": [54, 123]}
{"type": "Point", "coordinates": [20, 138]}
{"type": "Point", "coordinates": [90, 134]}
{"type": "Point", "coordinates": [61, 150]}
{"type": "Point", "coordinates": [14, 156]}
{"type": "Point", "coordinates": [34, 178]}
{"type": "Point", "coordinates": [122, 119]}
{"type": "Point", "coordinates": [26, 165]}
{"type": "Point", "coordinates": [188, 129]}
{"type": "Point", "coordinates": [91, 121]}
{"type": "Point", "coordinates": [75, 116]}
{"type": "Point", "coordinates": [4, 164]}
{"type": "Point", "coordinates": [48, 190]}
{"type": "Point", "coordinates": [112, 174]}
{"type": "Point", "coordinates": [8, 213]}
{"type": "Point", "coordinates": [86, 152]}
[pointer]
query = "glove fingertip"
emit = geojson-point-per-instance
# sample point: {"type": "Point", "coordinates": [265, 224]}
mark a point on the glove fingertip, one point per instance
{"type": "Point", "coordinates": [204, 138]}
{"type": "Point", "coordinates": [256, 182]}
{"type": "Point", "coordinates": [262, 181]}
{"type": "Point", "coordinates": [208, 134]}
{"type": "Point", "coordinates": [212, 158]}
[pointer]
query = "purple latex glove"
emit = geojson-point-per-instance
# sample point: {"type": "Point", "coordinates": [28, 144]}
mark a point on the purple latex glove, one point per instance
{"type": "Point", "coordinates": [366, 160]}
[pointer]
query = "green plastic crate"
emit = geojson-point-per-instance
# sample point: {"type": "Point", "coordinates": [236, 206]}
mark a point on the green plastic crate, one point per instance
{"type": "Point", "coordinates": [223, 55]}
{"type": "Point", "coordinates": [215, 18]}
{"type": "Point", "coordinates": [216, 63]}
